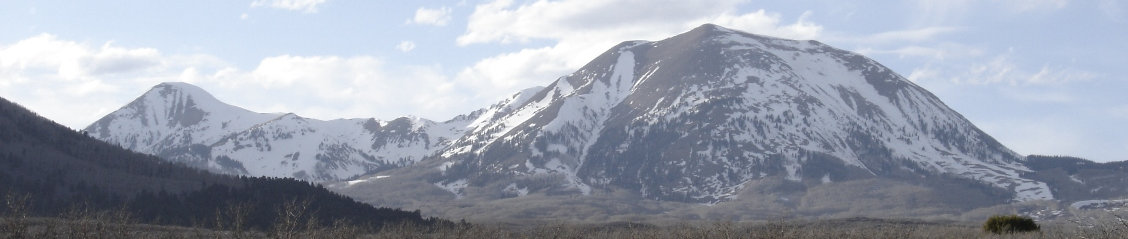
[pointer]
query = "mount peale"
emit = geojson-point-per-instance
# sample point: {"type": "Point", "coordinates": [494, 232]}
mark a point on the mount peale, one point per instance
{"type": "Point", "coordinates": [183, 123]}
{"type": "Point", "coordinates": [746, 123]}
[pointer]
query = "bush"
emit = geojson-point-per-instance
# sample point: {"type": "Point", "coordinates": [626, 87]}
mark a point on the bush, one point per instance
{"type": "Point", "coordinates": [1000, 224]}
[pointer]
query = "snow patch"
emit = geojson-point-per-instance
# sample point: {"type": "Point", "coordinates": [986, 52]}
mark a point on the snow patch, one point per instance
{"type": "Point", "coordinates": [444, 166]}
{"type": "Point", "coordinates": [1075, 179]}
{"type": "Point", "coordinates": [1099, 204]}
{"type": "Point", "coordinates": [513, 189]}
{"type": "Point", "coordinates": [370, 179]}
{"type": "Point", "coordinates": [455, 187]}
{"type": "Point", "coordinates": [1027, 191]}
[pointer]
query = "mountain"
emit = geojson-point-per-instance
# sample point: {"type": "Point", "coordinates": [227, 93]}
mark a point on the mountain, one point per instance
{"type": "Point", "coordinates": [183, 123]}
{"type": "Point", "coordinates": [751, 126]}
{"type": "Point", "coordinates": [718, 117]}
{"type": "Point", "coordinates": [696, 116]}
{"type": "Point", "coordinates": [60, 172]}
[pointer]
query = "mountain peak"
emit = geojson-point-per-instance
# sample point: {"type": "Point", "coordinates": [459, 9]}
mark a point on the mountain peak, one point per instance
{"type": "Point", "coordinates": [181, 103]}
{"type": "Point", "coordinates": [176, 83]}
{"type": "Point", "coordinates": [182, 89]}
{"type": "Point", "coordinates": [169, 110]}
{"type": "Point", "coordinates": [711, 31]}
{"type": "Point", "coordinates": [717, 98]}
{"type": "Point", "coordinates": [709, 27]}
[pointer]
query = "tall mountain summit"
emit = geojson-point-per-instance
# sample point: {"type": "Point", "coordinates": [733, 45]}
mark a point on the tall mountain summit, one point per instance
{"type": "Point", "coordinates": [696, 116]}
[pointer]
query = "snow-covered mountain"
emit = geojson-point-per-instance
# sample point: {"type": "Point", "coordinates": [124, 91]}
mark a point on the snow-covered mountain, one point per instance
{"type": "Point", "coordinates": [181, 122]}
{"type": "Point", "coordinates": [708, 116]}
{"type": "Point", "coordinates": [697, 116]}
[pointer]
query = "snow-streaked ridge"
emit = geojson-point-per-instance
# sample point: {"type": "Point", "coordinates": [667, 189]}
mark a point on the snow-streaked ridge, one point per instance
{"type": "Point", "coordinates": [786, 100]}
{"type": "Point", "coordinates": [694, 118]}
{"type": "Point", "coordinates": [182, 122]}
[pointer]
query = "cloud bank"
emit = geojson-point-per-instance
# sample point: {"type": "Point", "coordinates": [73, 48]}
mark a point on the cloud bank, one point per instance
{"type": "Point", "coordinates": [76, 82]}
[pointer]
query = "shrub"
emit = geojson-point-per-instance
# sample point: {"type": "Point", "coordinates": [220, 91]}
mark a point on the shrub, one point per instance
{"type": "Point", "coordinates": [1000, 224]}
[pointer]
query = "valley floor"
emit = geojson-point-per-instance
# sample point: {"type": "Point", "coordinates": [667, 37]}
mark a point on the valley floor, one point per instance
{"type": "Point", "coordinates": [838, 228]}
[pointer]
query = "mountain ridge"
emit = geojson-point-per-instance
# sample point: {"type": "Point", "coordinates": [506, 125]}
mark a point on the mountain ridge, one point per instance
{"type": "Point", "coordinates": [711, 116]}
{"type": "Point", "coordinates": [203, 132]}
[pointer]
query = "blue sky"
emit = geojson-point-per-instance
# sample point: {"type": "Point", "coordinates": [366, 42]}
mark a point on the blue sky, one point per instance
{"type": "Point", "coordinates": [1042, 76]}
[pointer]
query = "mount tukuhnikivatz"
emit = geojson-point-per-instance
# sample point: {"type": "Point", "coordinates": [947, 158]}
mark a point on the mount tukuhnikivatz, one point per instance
{"type": "Point", "coordinates": [711, 116]}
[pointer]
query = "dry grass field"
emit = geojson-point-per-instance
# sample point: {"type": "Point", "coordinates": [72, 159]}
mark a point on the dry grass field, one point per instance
{"type": "Point", "coordinates": [83, 223]}
{"type": "Point", "coordinates": [110, 226]}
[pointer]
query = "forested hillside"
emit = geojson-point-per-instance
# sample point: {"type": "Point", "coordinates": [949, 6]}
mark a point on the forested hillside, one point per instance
{"type": "Point", "coordinates": [1076, 179]}
{"type": "Point", "coordinates": [48, 170]}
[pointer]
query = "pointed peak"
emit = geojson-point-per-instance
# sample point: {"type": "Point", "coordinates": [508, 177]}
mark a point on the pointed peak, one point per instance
{"type": "Point", "coordinates": [710, 27]}
{"type": "Point", "coordinates": [176, 84]}
{"type": "Point", "coordinates": [180, 89]}
{"type": "Point", "coordinates": [179, 86]}
{"type": "Point", "coordinates": [704, 33]}
{"type": "Point", "coordinates": [710, 30]}
{"type": "Point", "coordinates": [181, 95]}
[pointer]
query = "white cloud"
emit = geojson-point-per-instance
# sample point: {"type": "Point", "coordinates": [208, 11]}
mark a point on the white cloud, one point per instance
{"type": "Point", "coordinates": [935, 53]}
{"type": "Point", "coordinates": [920, 74]}
{"type": "Point", "coordinates": [427, 16]}
{"type": "Point", "coordinates": [901, 36]}
{"type": "Point", "coordinates": [405, 46]}
{"type": "Point", "coordinates": [504, 74]}
{"type": "Point", "coordinates": [998, 70]}
{"type": "Point", "coordinates": [580, 30]}
{"type": "Point", "coordinates": [306, 6]}
{"type": "Point", "coordinates": [1000, 76]}
{"type": "Point", "coordinates": [46, 57]}
{"type": "Point", "coordinates": [501, 21]}
{"type": "Point", "coordinates": [1002, 70]}
{"type": "Point", "coordinates": [73, 83]}
{"type": "Point", "coordinates": [76, 83]}
{"type": "Point", "coordinates": [1055, 75]}
{"type": "Point", "coordinates": [909, 51]}
{"type": "Point", "coordinates": [113, 60]}
{"type": "Point", "coordinates": [921, 43]}
{"type": "Point", "coordinates": [339, 87]}
{"type": "Point", "coordinates": [244, 16]}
